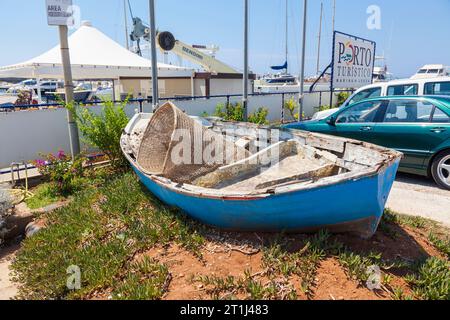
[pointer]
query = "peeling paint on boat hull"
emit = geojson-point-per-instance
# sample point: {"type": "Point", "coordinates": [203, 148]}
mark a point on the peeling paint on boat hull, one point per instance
{"type": "Point", "coordinates": [354, 206]}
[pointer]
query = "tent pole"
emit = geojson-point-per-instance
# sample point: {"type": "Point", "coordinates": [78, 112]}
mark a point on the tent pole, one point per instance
{"type": "Point", "coordinates": [68, 86]}
{"type": "Point", "coordinates": [155, 94]}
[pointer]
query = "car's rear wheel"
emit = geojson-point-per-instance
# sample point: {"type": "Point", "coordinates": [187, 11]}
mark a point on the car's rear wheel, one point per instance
{"type": "Point", "coordinates": [440, 169]}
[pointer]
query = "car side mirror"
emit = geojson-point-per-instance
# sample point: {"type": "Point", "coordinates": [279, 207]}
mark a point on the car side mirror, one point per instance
{"type": "Point", "coordinates": [332, 121]}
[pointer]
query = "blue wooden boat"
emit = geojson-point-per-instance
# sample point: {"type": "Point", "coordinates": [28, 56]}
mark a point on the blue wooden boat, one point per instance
{"type": "Point", "coordinates": [301, 182]}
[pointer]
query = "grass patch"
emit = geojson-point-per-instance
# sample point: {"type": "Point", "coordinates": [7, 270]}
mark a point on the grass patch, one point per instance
{"type": "Point", "coordinates": [404, 220]}
{"type": "Point", "coordinates": [304, 263]}
{"type": "Point", "coordinates": [432, 280]}
{"type": "Point", "coordinates": [357, 266]}
{"type": "Point", "coordinates": [146, 280]}
{"type": "Point", "coordinates": [443, 245]}
{"type": "Point", "coordinates": [230, 287]}
{"type": "Point", "coordinates": [100, 231]}
{"type": "Point", "coordinates": [43, 196]}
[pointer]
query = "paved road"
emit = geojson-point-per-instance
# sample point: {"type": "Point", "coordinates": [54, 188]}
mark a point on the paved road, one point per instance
{"type": "Point", "coordinates": [415, 195]}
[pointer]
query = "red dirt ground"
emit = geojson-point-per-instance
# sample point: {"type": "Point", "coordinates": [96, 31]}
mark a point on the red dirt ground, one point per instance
{"type": "Point", "coordinates": [222, 259]}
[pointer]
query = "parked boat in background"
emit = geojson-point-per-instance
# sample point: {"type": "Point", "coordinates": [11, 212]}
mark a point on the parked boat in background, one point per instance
{"type": "Point", "coordinates": [432, 71]}
{"type": "Point", "coordinates": [4, 87]}
{"type": "Point", "coordinates": [250, 194]}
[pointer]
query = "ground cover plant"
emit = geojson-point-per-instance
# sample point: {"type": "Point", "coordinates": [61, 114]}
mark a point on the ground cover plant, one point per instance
{"type": "Point", "coordinates": [127, 245]}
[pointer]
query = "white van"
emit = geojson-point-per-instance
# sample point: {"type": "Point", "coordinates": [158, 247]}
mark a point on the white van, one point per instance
{"type": "Point", "coordinates": [408, 87]}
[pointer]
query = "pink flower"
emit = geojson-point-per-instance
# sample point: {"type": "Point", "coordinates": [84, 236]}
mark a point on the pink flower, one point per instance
{"type": "Point", "coordinates": [40, 163]}
{"type": "Point", "coordinates": [61, 155]}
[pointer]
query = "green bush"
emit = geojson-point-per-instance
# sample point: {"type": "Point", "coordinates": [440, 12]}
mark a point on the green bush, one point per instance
{"type": "Point", "coordinates": [291, 106]}
{"type": "Point", "coordinates": [235, 112]}
{"type": "Point", "coordinates": [61, 171]}
{"type": "Point", "coordinates": [104, 130]}
{"type": "Point", "coordinates": [342, 97]}
{"type": "Point", "coordinates": [259, 116]}
{"type": "Point", "coordinates": [230, 112]}
{"type": "Point", "coordinates": [324, 108]}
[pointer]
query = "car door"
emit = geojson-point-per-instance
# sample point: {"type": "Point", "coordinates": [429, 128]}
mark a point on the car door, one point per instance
{"type": "Point", "coordinates": [358, 121]}
{"type": "Point", "coordinates": [407, 127]}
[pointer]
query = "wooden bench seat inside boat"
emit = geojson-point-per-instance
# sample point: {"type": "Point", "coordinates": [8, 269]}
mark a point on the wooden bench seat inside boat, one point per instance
{"type": "Point", "coordinates": [284, 163]}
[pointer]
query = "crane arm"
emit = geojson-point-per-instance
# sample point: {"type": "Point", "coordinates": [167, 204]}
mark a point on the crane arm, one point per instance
{"type": "Point", "coordinates": [167, 42]}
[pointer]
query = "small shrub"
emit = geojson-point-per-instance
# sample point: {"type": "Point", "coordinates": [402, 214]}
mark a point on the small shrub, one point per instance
{"type": "Point", "coordinates": [342, 97]}
{"type": "Point", "coordinates": [236, 112]}
{"type": "Point", "coordinates": [324, 108]}
{"type": "Point", "coordinates": [259, 116]}
{"type": "Point", "coordinates": [61, 171]}
{"type": "Point", "coordinates": [104, 130]}
{"type": "Point", "coordinates": [291, 106]}
{"type": "Point", "coordinates": [230, 112]}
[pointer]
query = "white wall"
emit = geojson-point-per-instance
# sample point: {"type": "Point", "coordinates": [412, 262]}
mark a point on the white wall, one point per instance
{"type": "Point", "coordinates": [27, 134]}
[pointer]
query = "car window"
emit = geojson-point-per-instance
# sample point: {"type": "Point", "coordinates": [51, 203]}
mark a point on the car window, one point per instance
{"type": "Point", "coordinates": [440, 117]}
{"type": "Point", "coordinates": [403, 90]}
{"type": "Point", "coordinates": [366, 94]}
{"type": "Point", "coordinates": [407, 111]}
{"type": "Point", "coordinates": [361, 113]}
{"type": "Point", "coordinates": [437, 88]}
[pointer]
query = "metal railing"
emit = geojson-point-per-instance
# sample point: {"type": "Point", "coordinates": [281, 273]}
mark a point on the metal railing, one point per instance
{"type": "Point", "coordinates": [141, 101]}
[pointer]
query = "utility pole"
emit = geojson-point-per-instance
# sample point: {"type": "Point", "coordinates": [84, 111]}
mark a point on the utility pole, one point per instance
{"type": "Point", "coordinates": [320, 38]}
{"type": "Point", "coordinates": [127, 36]}
{"type": "Point", "coordinates": [68, 87]}
{"type": "Point", "coordinates": [302, 72]}
{"type": "Point", "coordinates": [245, 84]}
{"type": "Point", "coordinates": [60, 13]}
{"type": "Point", "coordinates": [155, 95]}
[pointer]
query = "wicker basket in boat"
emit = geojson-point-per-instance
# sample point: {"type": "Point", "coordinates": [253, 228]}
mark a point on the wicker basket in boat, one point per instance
{"type": "Point", "coordinates": [164, 141]}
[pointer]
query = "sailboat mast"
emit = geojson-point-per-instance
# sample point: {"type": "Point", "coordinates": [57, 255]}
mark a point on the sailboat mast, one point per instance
{"type": "Point", "coordinates": [287, 37]}
{"type": "Point", "coordinates": [319, 39]}
{"type": "Point", "coordinates": [334, 15]}
{"type": "Point", "coordinates": [126, 24]}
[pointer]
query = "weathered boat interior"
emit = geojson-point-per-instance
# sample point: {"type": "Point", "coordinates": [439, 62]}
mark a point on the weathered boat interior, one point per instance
{"type": "Point", "coordinates": [257, 160]}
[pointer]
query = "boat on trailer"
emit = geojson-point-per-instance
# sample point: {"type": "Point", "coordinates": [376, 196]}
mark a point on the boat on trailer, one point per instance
{"type": "Point", "coordinates": [268, 180]}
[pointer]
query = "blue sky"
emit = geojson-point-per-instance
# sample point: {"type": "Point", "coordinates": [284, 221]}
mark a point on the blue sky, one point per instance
{"type": "Point", "coordinates": [412, 32]}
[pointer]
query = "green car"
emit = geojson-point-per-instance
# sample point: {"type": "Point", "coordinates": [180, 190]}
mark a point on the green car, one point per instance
{"type": "Point", "coordinates": [417, 126]}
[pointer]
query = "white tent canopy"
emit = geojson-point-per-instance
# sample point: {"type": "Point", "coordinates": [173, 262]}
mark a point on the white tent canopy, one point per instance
{"type": "Point", "coordinates": [93, 56]}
